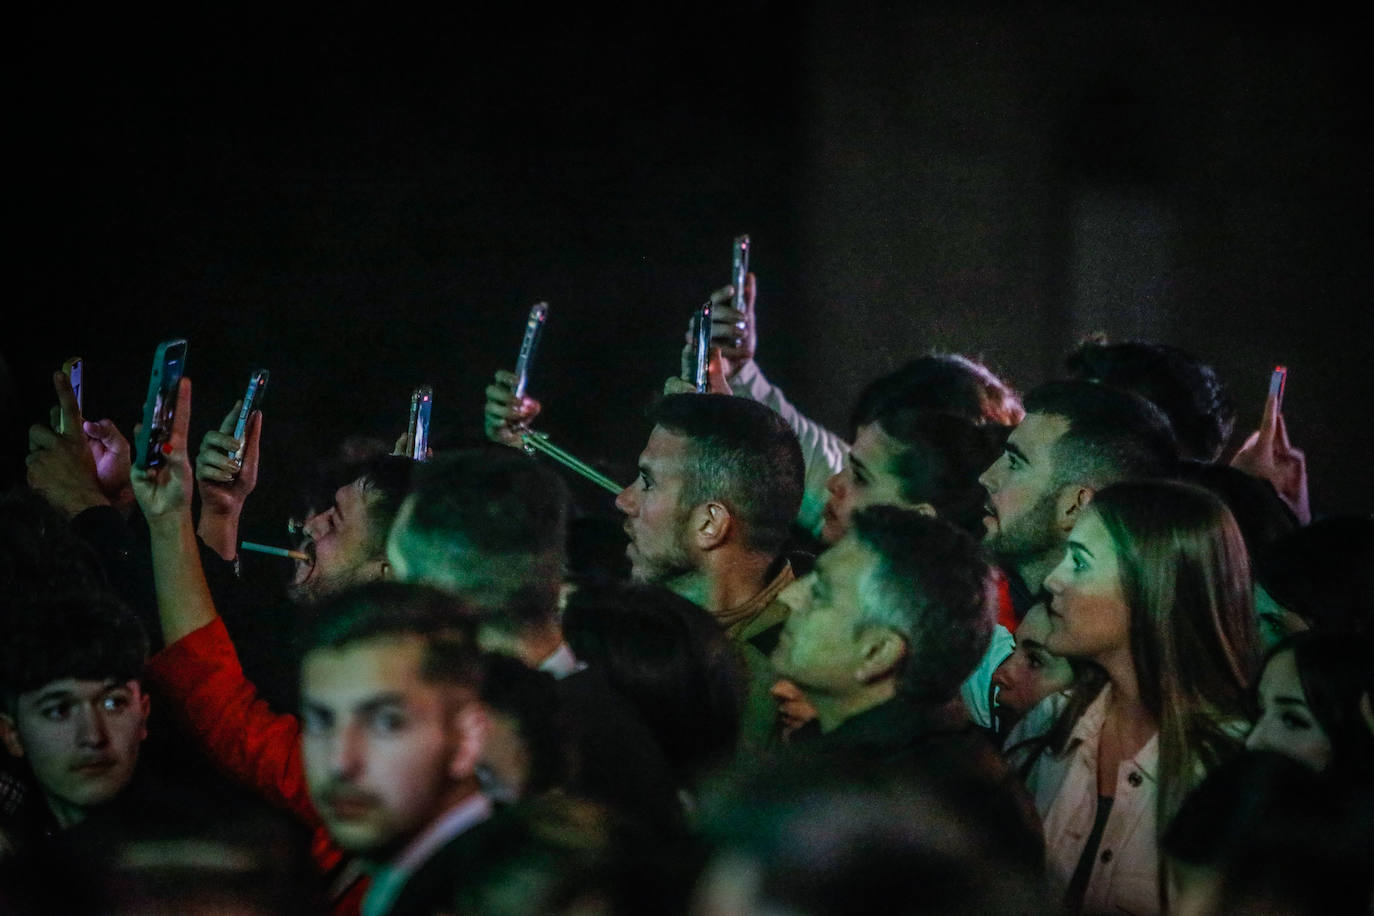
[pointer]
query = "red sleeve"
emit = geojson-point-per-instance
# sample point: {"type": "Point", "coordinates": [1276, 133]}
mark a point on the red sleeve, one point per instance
{"type": "Point", "coordinates": [1006, 610]}
{"type": "Point", "coordinates": [201, 675]}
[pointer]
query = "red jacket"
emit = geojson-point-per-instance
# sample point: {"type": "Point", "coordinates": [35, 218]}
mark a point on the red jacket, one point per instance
{"type": "Point", "coordinates": [200, 673]}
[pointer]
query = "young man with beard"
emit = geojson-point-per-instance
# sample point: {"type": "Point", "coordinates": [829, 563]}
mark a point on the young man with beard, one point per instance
{"type": "Point", "coordinates": [1077, 438]}
{"type": "Point", "coordinates": [708, 516]}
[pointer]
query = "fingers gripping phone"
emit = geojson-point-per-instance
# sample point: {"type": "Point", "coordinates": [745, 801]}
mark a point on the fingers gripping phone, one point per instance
{"type": "Point", "coordinates": [534, 326]}
{"type": "Point", "coordinates": [252, 400]}
{"type": "Point", "coordinates": [421, 403]}
{"type": "Point", "coordinates": [169, 362]}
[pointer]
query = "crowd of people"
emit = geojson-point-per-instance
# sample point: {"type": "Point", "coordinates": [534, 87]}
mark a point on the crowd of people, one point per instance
{"type": "Point", "coordinates": [1071, 651]}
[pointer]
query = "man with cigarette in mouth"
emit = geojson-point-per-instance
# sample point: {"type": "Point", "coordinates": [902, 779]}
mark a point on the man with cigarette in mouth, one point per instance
{"type": "Point", "coordinates": [381, 763]}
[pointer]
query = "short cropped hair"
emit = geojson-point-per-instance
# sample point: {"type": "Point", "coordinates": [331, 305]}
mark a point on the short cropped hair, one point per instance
{"type": "Point", "coordinates": [940, 459]}
{"type": "Point", "coordinates": [90, 636]}
{"type": "Point", "coordinates": [932, 585]}
{"type": "Point", "coordinates": [1113, 435]}
{"type": "Point", "coordinates": [942, 383]}
{"type": "Point", "coordinates": [491, 525]}
{"type": "Point", "coordinates": [742, 454]}
{"type": "Point", "coordinates": [385, 479]}
{"type": "Point", "coordinates": [382, 610]}
{"type": "Point", "coordinates": [1188, 391]}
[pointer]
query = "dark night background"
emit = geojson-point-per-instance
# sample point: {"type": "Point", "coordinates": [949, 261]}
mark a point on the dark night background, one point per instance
{"type": "Point", "coordinates": [364, 198]}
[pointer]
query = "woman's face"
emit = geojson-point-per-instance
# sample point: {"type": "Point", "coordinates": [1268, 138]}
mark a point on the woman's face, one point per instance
{"type": "Point", "coordinates": [1088, 613]}
{"type": "Point", "coordinates": [1286, 724]}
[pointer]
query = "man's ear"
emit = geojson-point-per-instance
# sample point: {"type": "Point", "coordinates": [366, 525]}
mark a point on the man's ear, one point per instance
{"type": "Point", "coordinates": [1070, 504]}
{"type": "Point", "coordinates": [471, 726]}
{"type": "Point", "coordinates": [883, 651]}
{"type": "Point", "coordinates": [712, 525]}
{"type": "Point", "coordinates": [145, 705]}
{"type": "Point", "coordinates": [10, 733]}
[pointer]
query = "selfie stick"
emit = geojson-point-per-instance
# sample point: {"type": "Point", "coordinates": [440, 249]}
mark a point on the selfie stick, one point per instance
{"type": "Point", "coordinates": [540, 441]}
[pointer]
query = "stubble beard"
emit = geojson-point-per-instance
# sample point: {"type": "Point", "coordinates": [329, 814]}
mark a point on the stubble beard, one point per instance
{"type": "Point", "coordinates": [1030, 537]}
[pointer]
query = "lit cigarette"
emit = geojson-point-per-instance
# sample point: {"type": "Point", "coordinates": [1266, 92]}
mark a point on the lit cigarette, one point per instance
{"type": "Point", "coordinates": [274, 551]}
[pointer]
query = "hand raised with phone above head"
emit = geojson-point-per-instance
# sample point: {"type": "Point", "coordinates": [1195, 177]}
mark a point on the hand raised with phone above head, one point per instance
{"type": "Point", "coordinates": [507, 414]}
{"type": "Point", "coordinates": [715, 376]}
{"type": "Point", "coordinates": [164, 492]}
{"type": "Point", "coordinates": [76, 464]}
{"type": "Point", "coordinates": [733, 331]}
{"type": "Point", "coordinates": [1268, 455]}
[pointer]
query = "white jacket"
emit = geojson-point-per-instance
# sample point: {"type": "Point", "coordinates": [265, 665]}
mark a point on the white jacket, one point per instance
{"type": "Point", "coordinates": [1125, 875]}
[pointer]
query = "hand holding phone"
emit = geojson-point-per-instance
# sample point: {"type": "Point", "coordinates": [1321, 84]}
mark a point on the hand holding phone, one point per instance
{"type": "Point", "coordinates": [164, 491]}
{"type": "Point", "coordinates": [1269, 455]}
{"type": "Point", "coordinates": [152, 441]}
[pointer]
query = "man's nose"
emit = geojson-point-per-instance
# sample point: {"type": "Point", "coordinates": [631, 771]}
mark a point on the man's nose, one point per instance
{"type": "Point", "coordinates": [92, 731]}
{"type": "Point", "coordinates": [987, 479]}
{"type": "Point", "coordinates": [835, 483]}
{"type": "Point", "coordinates": [346, 752]}
{"type": "Point", "coordinates": [318, 524]}
{"type": "Point", "coordinates": [624, 500]}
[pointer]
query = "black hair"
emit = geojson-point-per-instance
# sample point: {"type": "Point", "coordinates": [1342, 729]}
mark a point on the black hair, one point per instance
{"type": "Point", "coordinates": [1186, 390]}
{"type": "Point", "coordinates": [1263, 517]}
{"type": "Point", "coordinates": [1332, 668]}
{"type": "Point", "coordinates": [941, 383]}
{"type": "Point", "coordinates": [89, 636]}
{"type": "Point", "coordinates": [40, 554]}
{"type": "Point", "coordinates": [491, 525]}
{"type": "Point", "coordinates": [1112, 435]}
{"type": "Point", "coordinates": [385, 479]}
{"type": "Point", "coordinates": [1324, 573]}
{"type": "Point", "coordinates": [742, 454]}
{"type": "Point", "coordinates": [1277, 835]}
{"type": "Point", "coordinates": [941, 458]}
{"type": "Point", "coordinates": [381, 610]}
{"type": "Point", "coordinates": [932, 584]}
{"type": "Point", "coordinates": [670, 659]}
{"type": "Point", "coordinates": [531, 698]}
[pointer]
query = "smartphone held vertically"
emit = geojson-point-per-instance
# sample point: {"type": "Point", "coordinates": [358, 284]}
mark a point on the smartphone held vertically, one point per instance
{"type": "Point", "coordinates": [534, 326]}
{"type": "Point", "coordinates": [701, 348]}
{"type": "Point", "coordinates": [1278, 379]}
{"type": "Point", "coordinates": [421, 403]}
{"type": "Point", "coordinates": [740, 272]}
{"type": "Point", "coordinates": [169, 362]}
{"type": "Point", "coordinates": [73, 369]}
{"type": "Point", "coordinates": [252, 400]}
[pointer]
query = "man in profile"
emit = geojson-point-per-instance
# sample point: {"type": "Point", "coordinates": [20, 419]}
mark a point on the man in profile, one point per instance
{"type": "Point", "coordinates": [1076, 438]}
{"type": "Point", "coordinates": [708, 516]}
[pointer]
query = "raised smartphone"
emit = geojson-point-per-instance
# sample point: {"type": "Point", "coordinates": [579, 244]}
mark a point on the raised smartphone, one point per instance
{"type": "Point", "coordinates": [72, 368]}
{"type": "Point", "coordinates": [169, 362]}
{"type": "Point", "coordinates": [252, 400]}
{"type": "Point", "coordinates": [421, 403]}
{"type": "Point", "coordinates": [534, 326]}
{"type": "Point", "coordinates": [740, 272]}
{"type": "Point", "coordinates": [701, 347]}
{"type": "Point", "coordinates": [1277, 380]}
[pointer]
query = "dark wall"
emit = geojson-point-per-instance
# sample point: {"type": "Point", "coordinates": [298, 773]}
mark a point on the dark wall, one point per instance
{"type": "Point", "coordinates": [363, 199]}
